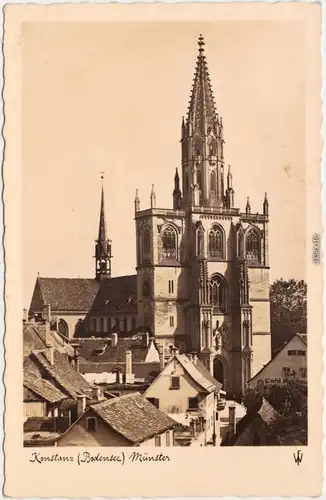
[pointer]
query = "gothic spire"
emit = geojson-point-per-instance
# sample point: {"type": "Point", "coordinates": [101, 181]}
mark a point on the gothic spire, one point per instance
{"type": "Point", "coordinates": [153, 197]}
{"type": "Point", "coordinates": [265, 205]}
{"type": "Point", "coordinates": [202, 110]}
{"type": "Point", "coordinates": [102, 225]}
{"type": "Point", "coordinates": [137, 201]}
{"type": "Point", "coordinates": [248, 206]}
{"type": "Point", "coordinates": [103, 245]}
{"type": "Point", "coordinates": [177, 195]}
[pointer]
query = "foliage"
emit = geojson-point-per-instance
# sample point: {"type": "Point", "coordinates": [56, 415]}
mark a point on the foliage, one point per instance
{"type": "Point", "coordinates": [288, 300]}
{"type": "Point", "coordinates": [288, 398]}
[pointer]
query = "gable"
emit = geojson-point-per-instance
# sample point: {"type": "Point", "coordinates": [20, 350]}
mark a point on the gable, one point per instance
{"type": "Point", "coordinates": [37, 301]}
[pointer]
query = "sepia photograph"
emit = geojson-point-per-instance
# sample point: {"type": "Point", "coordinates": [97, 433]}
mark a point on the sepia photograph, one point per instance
{"type": "Point", "coordinates": [199, 336]}
{"type": "Point", "coordinates": [168, 233]}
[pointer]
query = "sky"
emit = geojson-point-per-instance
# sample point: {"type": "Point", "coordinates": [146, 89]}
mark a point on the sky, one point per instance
{"type": "Point", "coordinates": [109, 97]}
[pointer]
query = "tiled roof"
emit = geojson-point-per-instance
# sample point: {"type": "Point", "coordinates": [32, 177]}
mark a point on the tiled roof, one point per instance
{"type": "Point", "coordinates": [206, 373]}
{"type": "Point", "coordinates": [42, 387]}
{"type": "Point", "coordinates": [303, 336]}
{"type": "Point", "coordinates": [197, 374]}
{"type": "Point", "coordinates": [140, 370]}
{"type": "Point", "coordinates": [101, 350]}
{"type": "Point", "coordinates": [38, 336]}
{"type": "Point", "coordinates": [65, 375]}
{"type": "Point", "coordinates": [116, 295]}
{"type": "Point", "coordinates": [64, 294]}
{"type": "Point", "coordinates": [134, 417]}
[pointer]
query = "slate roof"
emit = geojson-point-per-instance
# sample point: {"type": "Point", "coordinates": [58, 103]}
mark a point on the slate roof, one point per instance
{"type": "Point", "coordinates": [42, 388]}
{"type": "Point", "coordinates": [62, 372]}
{"type": "Point", "coordinates": [64, 294]}
{"type": "Point", "coordinates": [116, 295]}
{"type": "Point", "coordinates": [101, 350]}
{"type": "Point", "coordinates": [198, 373]}
{"type": "Point", "coordinates": [134, 417]}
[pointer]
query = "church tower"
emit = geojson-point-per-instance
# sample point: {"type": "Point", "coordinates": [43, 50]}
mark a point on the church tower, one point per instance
{"type": "Point", "coordinates": [103, 254]}
{"type": "Point", "coordinates": [202, 266]}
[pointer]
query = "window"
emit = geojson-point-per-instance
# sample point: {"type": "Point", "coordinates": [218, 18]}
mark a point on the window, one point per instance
{"type": "Point", "coordinates": [212, 148]}
{"type": "Point", "coordinates": [109, 323]}
{"type": "Point", "coordinates": [256, 440]}
{"type": "Point", "coordinates": [200, 242]}
{"type": "Point", "coordinates": [146, 289]}
{"type": "Point", "coordinates": [303, 372]}
{"type": "Point", "coordinates": [171, 286]}
{"type": "Point", "coordinates": [291, 353]}
{"type": "Point", "coordinates": [198, 178]}
{"type": "Point", "coordinates": [133, 323]}
{"type": "Point", "coordinates": [94, 324]}
{"type": "Point", "coordinates": [168, 438]}
{"type": "Point", "coordinates": [193, 403]}
{"type": "Point", "coordinates": [218, 293]}
{"type": "Point", "coordinates": [125, 324]}
{"type": "Point", "coordinates": [301, 353]}
{"type": "Point", "coordinates": [213, 182]}
{"type": "Point", "coordinates": [117, 322]}
{"type": "Point", "coordinates": [169, 243]}
{"type": "Point", "coordinates": [171, 321]}
{"type": "Point", "coordinates": [102, 325]}
{"type": "Point", "coordinates": [253, 246]}
{"type": "Point", "coordinates": [154, 401]}
{"type": "Point", "coordinates": [175, 382]}
{"type": "Point", "coordinates": [286, 372]}
{"type": "Point", "coordinates": [146, 245]}
{"type": "Point", "coordinates": [157, 440]}
{"type": "Point", "coordinates": [91, 424]}
{"type": "Point", "coordinates": [215, 242]}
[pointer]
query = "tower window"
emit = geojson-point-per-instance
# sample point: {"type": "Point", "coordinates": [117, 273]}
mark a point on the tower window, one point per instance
{"type": "Point", "coordinates": [146, 246]}
{"type": "Point", "coordinates": [198, 174]}
{"type": "Point", "coordinates": [215, 242]}
{"type": "Point", "coordinates": [146, 289]}
{"type": "Point", "coordinates": [253, 246]}
{"type": "Point", "coordinates": [171, 286]}
{"type": "Point", "coordinates": [213, 182]}
{"type": "Point", "coordinates": [218, 293]}
{"type": "Point", "coordinates": [169, 243]}
{"type": "Point", "coordinates": [171, 321]}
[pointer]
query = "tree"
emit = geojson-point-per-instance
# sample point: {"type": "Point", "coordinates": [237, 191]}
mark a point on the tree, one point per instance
{"type": "Point", "coordinates": [288, 398]}
{"type": "Point", "coordinates": [288, 302]}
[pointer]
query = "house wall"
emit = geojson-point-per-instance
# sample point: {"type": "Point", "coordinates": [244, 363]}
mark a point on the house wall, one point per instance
{"type": "Point", "coordinates": [34, 409]}
{"type": "Point", "coordinates": [104, 435]}
{"type": "Point", "coordinates": [274, 369]}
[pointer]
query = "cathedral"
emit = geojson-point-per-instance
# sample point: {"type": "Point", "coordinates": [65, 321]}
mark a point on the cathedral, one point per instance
{"type": "Point", "coordinates": [202, 270]}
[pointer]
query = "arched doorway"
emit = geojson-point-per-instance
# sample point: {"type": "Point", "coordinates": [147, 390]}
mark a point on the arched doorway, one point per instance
{"type": "Point", "coordinates": [220, 371]}
{"type": "Point", "coordinates": [63, 328]}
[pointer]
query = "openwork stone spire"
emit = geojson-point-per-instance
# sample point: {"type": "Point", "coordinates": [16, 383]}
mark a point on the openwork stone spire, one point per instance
{"type": "Point", "coordinates": [202, 110]}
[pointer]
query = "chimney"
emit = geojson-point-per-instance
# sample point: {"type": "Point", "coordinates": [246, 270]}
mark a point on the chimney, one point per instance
{"type": "Point", "coordinates": [97, 393]}
{"type": "Point", "coordinates": [50, 354]}
{"type": "Point", "coordinates": [25, 315]}
{"type": "Point", "coordinates": [232, 420]}
{"type": "Point", "coordinates": [81, 404]}
{"type": "Point", "coordinates": [145, 339]}
{"type": "Point", "coordinates": [193, 357]}
{"type": "Point", "coordinates": [114, 339]}
{"type": "Point", "coordinates": [128, 363]}
{"type": "Point", "coordinates": [46, 313]}
{"type": "Point", "coordinates": [161, 356]}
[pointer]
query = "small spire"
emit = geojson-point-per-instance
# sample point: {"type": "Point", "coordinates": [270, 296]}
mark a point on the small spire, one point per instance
{"type": "Point", "coordinates": [137, 201]}
{"type": "Point", "coordinates": [153, 197]}
{"type": "Point", "coordinates": [201, 44]}
{"type": "Point", "coordinates": [248, 207]}
{"type": "Point", "coordinates": [229, 178]}
{"type": "Point", "coordinates": [102, 226]}
{"type": "Point", "coordinates": [265, 205]}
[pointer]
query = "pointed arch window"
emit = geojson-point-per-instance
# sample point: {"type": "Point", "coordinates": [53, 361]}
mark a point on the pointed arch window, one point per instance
{"type": "Point", "coordinates": [169, 243]}
{"type": "Point", "coordinates": [198, 175]}
{"type": "Point", "coordinates": [215, 242]}
{"type": "Point", "coordinates": [200, 242]}
{"type": "Point", "coordinates": [212, 148]}
{"type": "Point", "coordinates": [253, 246]}
{"type": "Point", "coordinates": [213, 182]}
{"type": "Point", "coordinates": [218, 293]}
{"type": "Point", "coordinates": [146, 245]}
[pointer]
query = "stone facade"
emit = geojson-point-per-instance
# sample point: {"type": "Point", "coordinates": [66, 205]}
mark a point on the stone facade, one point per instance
{"type": "Point", "coordinates": [202, 267]}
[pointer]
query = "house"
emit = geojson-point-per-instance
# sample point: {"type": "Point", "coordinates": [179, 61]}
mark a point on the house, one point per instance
{"type": "Point", "coordinates": [263, 426]}
{"type": "Point", "coordinates": [129, 420]}
{"type": "Point", "coordinates": [187, 391]}
{"type": "Point", "coordinates": [291, 360]}
{"type": "Point", "coordinates": [119, 359]}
